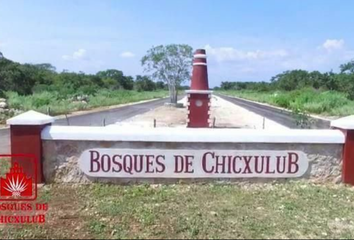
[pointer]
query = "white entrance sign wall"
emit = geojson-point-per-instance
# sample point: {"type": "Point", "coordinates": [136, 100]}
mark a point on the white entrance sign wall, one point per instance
{"type": "Point", "coordinates": [154, 163]}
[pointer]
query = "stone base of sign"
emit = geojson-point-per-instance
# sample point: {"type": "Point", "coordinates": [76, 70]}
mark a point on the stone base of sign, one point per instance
{"type": "Point", "coordinates": [60, 160]}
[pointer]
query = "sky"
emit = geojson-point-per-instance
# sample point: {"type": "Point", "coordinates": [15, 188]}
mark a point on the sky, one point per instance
{"type": "Point", "coordinates": [245, 40]}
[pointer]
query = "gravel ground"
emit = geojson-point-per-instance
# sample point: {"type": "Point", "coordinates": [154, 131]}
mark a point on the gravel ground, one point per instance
{"type": "Point", "coordinates": [226, 114]}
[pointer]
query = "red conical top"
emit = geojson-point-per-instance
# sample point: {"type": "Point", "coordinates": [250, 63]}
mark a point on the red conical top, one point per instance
{"type": "Point", "coordinates": [200, 71]}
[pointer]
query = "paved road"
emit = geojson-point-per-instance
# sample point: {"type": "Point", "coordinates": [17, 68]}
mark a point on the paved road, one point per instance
{"type": "Point", "coordinates": [111, 116]}
{"type": "Point", "coordinates": [284, 118]}
{"type": "Point", "coordinates": [4, 141]}
{"type": "Point", "coordinates": [106, 117]}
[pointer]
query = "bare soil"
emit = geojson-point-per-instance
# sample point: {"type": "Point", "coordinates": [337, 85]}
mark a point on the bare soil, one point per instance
{"type": "Point", "coordinates": [198, 211]}
{"type": "Point", "coordinates": [226, 114]}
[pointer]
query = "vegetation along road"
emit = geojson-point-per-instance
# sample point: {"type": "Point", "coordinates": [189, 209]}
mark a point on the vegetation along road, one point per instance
{"type": "Point", "coordinates": [98, 118]}
{"type": "Point", "coordinates": [286, 118]}
{"type": "Point", "coordinates": [110, 116]}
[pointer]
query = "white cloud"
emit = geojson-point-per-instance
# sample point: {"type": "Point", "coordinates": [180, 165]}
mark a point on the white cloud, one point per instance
{"type": "Point", "coordinates": [333, 44]}
{"type": "Point", "coordinates": [79, 54]}
{"type": "Point", "coordinates": [237, 64]}
{"type": "Point", "coordinates": [127, 54]}
{"type": "Point", "coordinates": [223, 54]}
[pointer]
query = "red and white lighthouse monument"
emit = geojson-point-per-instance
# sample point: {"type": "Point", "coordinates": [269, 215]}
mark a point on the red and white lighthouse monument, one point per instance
{"type": "Point", "coordinates": [199, 94]}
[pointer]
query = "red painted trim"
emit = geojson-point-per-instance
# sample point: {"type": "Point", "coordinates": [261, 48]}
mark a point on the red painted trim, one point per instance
{"type": "Point", "coordinates": [199, 51]}
{"type": "Point", "coordinates": [199, 60]}
{"type": "Point", "coordinates": [198, 115]}
{"type": "Point", "coordinates": [348, 158]}
{"type": "Point", "coordinates": [26, 139]}
{"type": "Point", "coordinates": [33, 162]}
{"type": "Point", "coordinates": [199, 73]}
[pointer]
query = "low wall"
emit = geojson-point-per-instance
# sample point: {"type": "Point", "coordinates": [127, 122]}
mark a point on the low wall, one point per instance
{"type": "Point", "coordinates": [63, 146]}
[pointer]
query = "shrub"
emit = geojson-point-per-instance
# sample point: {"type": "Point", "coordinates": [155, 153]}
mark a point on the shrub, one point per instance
{"type": "Point", "coordinates": [304, 100]}
{"type": "Point", "coordinates": [2, 94]}
{"type": "Point", "coordinates": [42, 99]}
{"type": "Point", "coordinates": [14, 100]}
{"type": "Point", "coordinates": [282, 100]}
{"type": "Point", "coordinates": [144, 84]}
{"type": "Point", "coordinates": [314, 107]}
{"type": "Point", "coordinates": [88, 90]}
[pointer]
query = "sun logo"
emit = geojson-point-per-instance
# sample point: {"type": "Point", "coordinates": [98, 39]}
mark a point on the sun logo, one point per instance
{"type": "Point", "coordinates": [16, 184]}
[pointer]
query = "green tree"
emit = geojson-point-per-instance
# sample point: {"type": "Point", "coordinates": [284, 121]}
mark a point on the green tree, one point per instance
{"type": "Point", "coordinates": [345, 83]}
{"type": "Point", "coordinates": [316, 79]}
{"type": "Point", "coordinates": [160, 85]}
{"type": "Point", "coordinates": [121, 82]}
{"type": "Point", "coordinates": [171, 64]}
{"type": "Point", "coordinates": [291, 80]}
{"type": "Point", "coordinates": [16, 77]}
{"type": "Point", "coordinates": [347, 67]}
{"type": "Point", "coordinates": [29, 78]}
{"type": "Point", "coordinates": [128, 83]}
{"type": "Point", "coordinates": [143, 83]}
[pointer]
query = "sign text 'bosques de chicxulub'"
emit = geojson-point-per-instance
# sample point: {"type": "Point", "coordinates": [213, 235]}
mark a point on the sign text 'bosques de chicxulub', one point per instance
{"type": "Point", "coordinates": [152, 163]}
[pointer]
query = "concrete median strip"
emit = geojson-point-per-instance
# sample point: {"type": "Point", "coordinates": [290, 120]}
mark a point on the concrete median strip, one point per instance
{"type": "Point", "coordinates": [226, 114]}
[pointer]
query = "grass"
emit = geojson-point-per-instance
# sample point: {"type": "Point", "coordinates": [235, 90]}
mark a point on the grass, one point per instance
{"type": "Point", "coordinates": [326, 103]}
{"type": "Point", "coordinates": [288, 210]}
{"type": "Point", "coordinates": [4, 166]}
{"type": "Point", "coordinates": [57, 104]}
